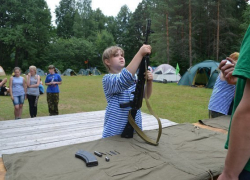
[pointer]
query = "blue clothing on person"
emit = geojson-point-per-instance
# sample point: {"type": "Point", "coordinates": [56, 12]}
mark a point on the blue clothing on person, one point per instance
{"type": "Point", "coordinates": [54, 88]}
{"type": "Point", "coordinates": [222, 96]}
{"type": "Point", "coordinates": [117, 89]}
{"type": "Point", "coordinates": [17, 86]}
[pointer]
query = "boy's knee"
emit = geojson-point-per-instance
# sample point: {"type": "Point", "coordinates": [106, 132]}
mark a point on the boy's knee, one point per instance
{"type": "Point", "coordinates": [16, 107]}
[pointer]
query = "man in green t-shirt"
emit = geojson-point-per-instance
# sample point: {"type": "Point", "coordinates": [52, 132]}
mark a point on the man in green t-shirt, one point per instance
{"type": "Point", "coordinates": [237, 164]}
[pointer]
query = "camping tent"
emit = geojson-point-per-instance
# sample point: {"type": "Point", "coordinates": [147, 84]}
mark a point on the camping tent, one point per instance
{"type": "Point", "coordinates": [69, 72]}
{"type": "Point", "coordinates": [91, 71]}
{"type": "Point", "coordinates": [202, 74]}
{"type": "Point", "coordinates": [38, 72]}
{"type": "Point", "coordinates": [2, 72]}
{"type": "Point", "coordinates": [95, 71]}
{"type": "Point", "coordinates": [58, 71]}
{"type": "Point", "coordinates": [165, 73]}
{"type": "Point", "coordinates": [82, 72]}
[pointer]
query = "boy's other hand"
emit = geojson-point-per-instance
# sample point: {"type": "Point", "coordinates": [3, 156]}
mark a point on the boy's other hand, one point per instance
{"type": "Point", "coordinates": [145, 49]}
{"type": "Point", "coordinates": [150, 76]}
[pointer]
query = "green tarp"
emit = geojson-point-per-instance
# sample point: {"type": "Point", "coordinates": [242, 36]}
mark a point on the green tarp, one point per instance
{"type": "Point", "coordinates": [184, 153]}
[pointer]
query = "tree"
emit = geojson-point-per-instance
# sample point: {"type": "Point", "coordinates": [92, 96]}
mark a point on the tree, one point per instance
{"type": "Point", "coordinates": [104, 40]}
{"type": "Point", "coordinates": [136, 29]}
{"type": "Point", "coordinates": [245, 19]}
{"type": "Point", "coordinates": [122, 20]}
{"type": "Point", "coordinates": [218, 30]}
{"type": "Point", "coordinates": [65, 14]}
{"type": "Point", "coordinates": [70, 53]}
{"type": "Point", "coordinates": [190, 33]}
{"type": "Point", "coordinates": [25, 31]}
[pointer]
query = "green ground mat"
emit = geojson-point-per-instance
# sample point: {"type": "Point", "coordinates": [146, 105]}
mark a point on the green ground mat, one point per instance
{"type": "Point", "coordinates": [221, 122]}
{"type": "Point", "coordinates": [184, 153]}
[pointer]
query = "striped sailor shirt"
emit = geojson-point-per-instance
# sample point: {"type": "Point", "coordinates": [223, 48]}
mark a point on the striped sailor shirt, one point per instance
{"type": "Point", "coordinates": [222, 96]}
{"type": "Point", "coordinates": [117, 89]}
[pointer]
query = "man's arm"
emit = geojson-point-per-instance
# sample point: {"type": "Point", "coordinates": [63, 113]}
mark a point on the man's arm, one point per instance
{"type": "Point", "coordinates": [239, 146]}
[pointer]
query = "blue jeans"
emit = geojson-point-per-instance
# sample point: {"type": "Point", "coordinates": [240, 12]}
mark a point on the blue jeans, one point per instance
{"type": "Point", "coordinates": [244, 175]}
{"type": "Point", "coordinates": [18, 100]}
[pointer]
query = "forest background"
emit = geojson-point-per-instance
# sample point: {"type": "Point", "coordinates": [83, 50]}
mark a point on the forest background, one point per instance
{"type": "Point", "coordinates": [185, 32]}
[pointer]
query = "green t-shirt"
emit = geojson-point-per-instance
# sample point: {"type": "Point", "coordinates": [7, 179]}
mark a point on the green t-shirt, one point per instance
{"type": "Point", "coordinates": [242, 71]}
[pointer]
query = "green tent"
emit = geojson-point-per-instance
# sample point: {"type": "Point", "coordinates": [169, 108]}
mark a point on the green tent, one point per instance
{"type": "Point", "coordinates": [38, 72]}
{"type": "Point", "coordinates": [69, 72]}
{"type": "Point", "coordinates": [95, 71]}
{"type": "Point", "coordinates": [58, 71]}
{"type": "Point", "coordinates": [83, 72]}
{"type": "Point", "coordinates": [89, 72]}
{"type": "Point", "coordinates": [203, 74]}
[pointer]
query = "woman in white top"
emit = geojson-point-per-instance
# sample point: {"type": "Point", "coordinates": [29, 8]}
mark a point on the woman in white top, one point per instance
{"type": "Point", "coordinates": [33, 81]}
{"type": "Point", "coordinates": [17, 92]}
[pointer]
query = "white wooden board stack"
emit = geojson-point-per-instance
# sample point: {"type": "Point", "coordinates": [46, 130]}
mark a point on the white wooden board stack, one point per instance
{"type": "Point", "coordinates": [55, 131]}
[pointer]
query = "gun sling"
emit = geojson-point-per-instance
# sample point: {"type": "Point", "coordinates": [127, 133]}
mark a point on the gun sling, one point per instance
{"type": "Point", "coordinates": [134, 125]}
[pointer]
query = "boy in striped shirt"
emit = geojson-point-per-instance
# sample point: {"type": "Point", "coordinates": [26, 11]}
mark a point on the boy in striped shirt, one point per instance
{"type": "Point", "coordinates": [118, 85]}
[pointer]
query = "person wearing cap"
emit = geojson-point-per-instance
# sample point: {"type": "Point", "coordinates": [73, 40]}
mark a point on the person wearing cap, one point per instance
{"type": "Point", "coordinates": [53, 80]}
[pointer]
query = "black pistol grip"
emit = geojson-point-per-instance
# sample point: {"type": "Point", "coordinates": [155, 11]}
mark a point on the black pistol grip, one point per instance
{"type": "Point", "coordinates": [87, 157]}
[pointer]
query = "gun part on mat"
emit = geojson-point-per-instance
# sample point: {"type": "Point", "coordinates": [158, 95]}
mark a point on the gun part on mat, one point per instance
{"type": "Point", "coordinates": [87, 157]}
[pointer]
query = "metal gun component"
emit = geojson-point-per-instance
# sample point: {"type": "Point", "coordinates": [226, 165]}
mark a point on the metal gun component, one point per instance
{"type": "Point", "coordinates": [102, 153]}
{"type": "Point", "coordinates": [98, 154]}
{"type": "Point", "coordinates": [109, 154]}
{"type": "Point", "coordinates": [87, 157]}
{"type": "Point", "coordinates": [117, 152]}
{"type": "Point", "coordinates": [113, 152]}
{"type": "Point", "coordinates": [107, 159]}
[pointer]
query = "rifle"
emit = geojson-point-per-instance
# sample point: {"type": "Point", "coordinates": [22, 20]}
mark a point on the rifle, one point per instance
{"type": "Point", "coordinates": [138, 98]}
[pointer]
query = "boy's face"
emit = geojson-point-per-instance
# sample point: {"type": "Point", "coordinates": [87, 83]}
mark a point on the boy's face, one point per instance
{"type": "Point", "coordinates": [51, 70]}
{"type": "Point", "coordinates": [117, 61]}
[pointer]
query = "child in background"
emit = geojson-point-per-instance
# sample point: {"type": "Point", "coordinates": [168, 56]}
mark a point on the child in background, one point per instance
{"type": "Point", "coordinates": [221, 100]}
{"type": "Point", "coordinates": [118, 85]}
{"type": "Point", "coordinates": [4, 90]}
{"type": "Point", "coordinates": [53, 80]}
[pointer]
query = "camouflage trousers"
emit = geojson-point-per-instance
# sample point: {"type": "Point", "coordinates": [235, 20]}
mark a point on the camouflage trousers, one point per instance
{"type": "Point", "coordinates": [53, 100]}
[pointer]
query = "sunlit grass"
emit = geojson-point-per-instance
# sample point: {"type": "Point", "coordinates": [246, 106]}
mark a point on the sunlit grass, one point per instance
{"type": "Point", "coordinates": [85, 93]}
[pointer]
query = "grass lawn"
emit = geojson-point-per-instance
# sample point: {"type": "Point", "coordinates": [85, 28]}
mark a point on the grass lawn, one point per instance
{"type": "Point", "coordinates": [84, 93]}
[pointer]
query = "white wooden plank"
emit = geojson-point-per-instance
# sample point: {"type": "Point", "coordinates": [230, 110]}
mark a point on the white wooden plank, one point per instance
{"type": "Point", "coordinates": [13, 142]}
{"type": "Point", "coordinates": [55, 131]}
{"type": "Point", "coordinates": [50, 120]}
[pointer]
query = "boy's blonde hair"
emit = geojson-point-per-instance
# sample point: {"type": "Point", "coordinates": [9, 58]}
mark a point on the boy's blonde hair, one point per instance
{"type": "Point", "coordinates": [235, 56]}
{"type": "Point", "coordinates": [33, 67]}
{"type": "Point", "coordinates": [110, 52]}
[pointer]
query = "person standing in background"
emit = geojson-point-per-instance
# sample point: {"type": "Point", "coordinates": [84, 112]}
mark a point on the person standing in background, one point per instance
{"type": "Point", "coordinates": [17, 92]}
{"type": "Point", "coordinates": [33, 81]}
{"type": "Point", "coordinates": [221, 100]}
{"type": "Point", "coordinates": [52, 81]}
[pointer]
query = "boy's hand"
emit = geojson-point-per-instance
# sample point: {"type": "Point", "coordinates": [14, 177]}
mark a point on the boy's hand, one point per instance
{"type": "Point", "coordinates": [145, 49]}
{"type": "Point", "coordinates": [150, 75]}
